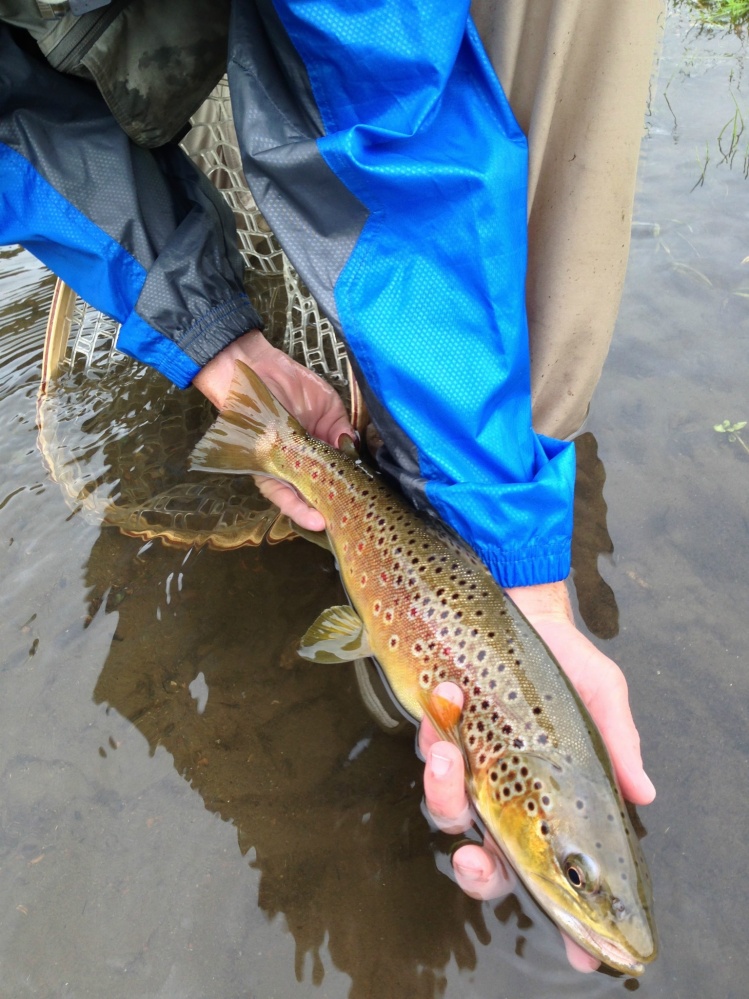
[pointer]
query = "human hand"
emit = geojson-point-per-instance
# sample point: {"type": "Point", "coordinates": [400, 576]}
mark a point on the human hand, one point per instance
{"type": "Point", "coordinates": [481, 871]}
{"type": "Point", "coordinates": [304, 394]}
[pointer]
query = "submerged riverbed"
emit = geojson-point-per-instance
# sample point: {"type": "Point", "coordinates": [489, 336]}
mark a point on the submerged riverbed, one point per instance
{"type": "Point", "coordinates": [189, 810]}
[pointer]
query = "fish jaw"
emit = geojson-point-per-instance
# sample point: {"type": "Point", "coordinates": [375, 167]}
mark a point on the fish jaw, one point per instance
{"type": "Point", "coordinates": [615, 927]}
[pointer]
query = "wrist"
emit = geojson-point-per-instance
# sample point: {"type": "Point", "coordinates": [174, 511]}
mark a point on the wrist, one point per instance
{"type": "Point", "coordinates": [215, 378]}
{"type": "Point", "coordinates": [544, 600]}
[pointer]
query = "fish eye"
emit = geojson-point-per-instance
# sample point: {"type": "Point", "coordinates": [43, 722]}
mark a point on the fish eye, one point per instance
{"type": "Point", "coordinates": [580, 872]}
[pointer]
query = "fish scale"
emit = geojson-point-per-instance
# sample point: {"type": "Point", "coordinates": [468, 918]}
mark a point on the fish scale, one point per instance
{"type": "Point", "coordinates": [427, 609]}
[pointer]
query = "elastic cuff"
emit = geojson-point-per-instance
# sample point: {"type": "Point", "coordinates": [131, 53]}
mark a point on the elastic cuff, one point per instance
{"type": "Point", "coordinates": [219, 327]}
{"type": "Point", "coordinates": [529, 568]}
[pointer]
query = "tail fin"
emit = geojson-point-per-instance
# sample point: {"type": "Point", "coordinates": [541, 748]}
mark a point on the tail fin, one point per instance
{"type": "Point", "coordinates": [243, 437]}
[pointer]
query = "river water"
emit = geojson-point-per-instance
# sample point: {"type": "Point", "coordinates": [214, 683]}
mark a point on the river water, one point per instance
{"type": "Point", "coordinates": [188, 810]}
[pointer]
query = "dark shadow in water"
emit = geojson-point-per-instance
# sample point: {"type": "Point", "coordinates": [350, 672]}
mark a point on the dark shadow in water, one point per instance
{"type": "Point", "coordinates": [596, 600]}
{"type": "Point", "coordinates": [325, 804]}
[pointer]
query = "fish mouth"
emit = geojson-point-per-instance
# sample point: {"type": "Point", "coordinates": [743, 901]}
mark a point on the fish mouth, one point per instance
{"type": "Point", "coordinates": [611, 953]}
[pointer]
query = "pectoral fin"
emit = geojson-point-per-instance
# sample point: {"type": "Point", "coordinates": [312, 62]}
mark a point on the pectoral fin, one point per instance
{"type": "Point", "coordinates": [445, 716]}
{"type": "Point", "coordinates": [337, 636]}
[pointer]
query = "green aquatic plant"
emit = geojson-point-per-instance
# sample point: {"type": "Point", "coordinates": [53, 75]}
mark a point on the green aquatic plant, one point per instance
{"type": "Point", "coordinates": [720, 13]}
{"type": "Point", "coordinates": [732, 429]}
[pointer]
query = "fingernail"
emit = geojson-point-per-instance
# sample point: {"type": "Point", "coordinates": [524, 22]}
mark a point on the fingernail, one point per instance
{"type": "Point", "coordinates": [440, 765]}
{"type": "Point", "coordinates": [474, 874]}
{"type": "Point", "coordinates": [650, 784]}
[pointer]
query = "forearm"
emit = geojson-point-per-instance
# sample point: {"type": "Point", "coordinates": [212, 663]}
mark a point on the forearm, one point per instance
{"type": "Point", "coordinates": [421, 264]}
{"type": "Point", "coordinates": [139, 234]}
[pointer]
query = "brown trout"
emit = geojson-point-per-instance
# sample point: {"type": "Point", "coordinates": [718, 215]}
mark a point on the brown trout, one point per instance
{"type": "Point", "coordinates": [426, 608]}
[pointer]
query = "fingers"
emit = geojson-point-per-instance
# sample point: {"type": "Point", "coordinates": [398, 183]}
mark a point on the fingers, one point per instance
{"type": "Point", "coordinates": [314, 402]}
{"type": "Point", "coordinates": [603, 688]}
{"type": "Point", "coordinates": [608, 702]}
{"type": "Point", "coordinates": [614, 719]}
{"type": "Point", "coordinates": [290, 503]}
{"type": "Point", "coordinates": [444, 788]}
{"type": "Point", "coordinates": [481, 872]}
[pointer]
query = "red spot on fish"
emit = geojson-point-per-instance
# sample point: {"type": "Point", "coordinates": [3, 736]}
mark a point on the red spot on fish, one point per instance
{"type": "Point", "coordinates": [315, 474]}
{"type": "Point", "coordinates": [384, 577]}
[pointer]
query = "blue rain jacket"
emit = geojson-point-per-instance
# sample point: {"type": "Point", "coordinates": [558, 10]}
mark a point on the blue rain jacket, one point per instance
{"type": "Point", "coordinates": [379, 145]}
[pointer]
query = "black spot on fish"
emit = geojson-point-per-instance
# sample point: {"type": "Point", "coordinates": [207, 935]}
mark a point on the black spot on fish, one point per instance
{"type": "Point", "coordinates": [579, 804]}
{"type": "Point", "coordinates": [518, 744]}
{"type": "Point", "coordinates": [537, 710]}
{"type": "Point", "coordinates": [481, 656]}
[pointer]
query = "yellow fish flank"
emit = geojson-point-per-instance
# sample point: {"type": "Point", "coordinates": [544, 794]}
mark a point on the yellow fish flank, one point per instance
{"type": "Point", "coordinates": [428, 611]}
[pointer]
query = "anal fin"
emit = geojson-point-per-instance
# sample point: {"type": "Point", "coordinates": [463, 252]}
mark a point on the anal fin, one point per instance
{"type": "Point", "coordinates": [337, 636]}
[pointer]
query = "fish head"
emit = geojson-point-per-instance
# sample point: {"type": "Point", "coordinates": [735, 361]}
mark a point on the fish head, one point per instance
{"type": "Point", "coordinates": [572, 843]}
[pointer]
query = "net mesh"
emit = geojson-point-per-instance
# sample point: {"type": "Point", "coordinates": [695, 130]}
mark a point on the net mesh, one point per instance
{"type": "Point", "coordinates": [117, 438]}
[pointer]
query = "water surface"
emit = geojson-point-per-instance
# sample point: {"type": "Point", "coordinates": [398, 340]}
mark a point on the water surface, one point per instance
{"type": "Point", "coordinates": [189, 810]}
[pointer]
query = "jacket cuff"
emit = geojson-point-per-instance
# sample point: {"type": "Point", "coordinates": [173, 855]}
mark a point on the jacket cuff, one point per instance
{"type": "Point", "coordinates": [182, 359]}
{"type": "Point", "coordinates": [548, 564]}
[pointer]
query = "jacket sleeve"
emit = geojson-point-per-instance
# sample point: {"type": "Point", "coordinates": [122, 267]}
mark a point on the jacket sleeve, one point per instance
{"type": "Point", "coordinates": [381, 149]}
{"type": "Point", "coordinates": [140, 234]}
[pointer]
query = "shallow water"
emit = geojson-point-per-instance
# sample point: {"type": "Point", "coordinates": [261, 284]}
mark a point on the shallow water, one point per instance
{"type": "Point", "coordinates": [188, 810]}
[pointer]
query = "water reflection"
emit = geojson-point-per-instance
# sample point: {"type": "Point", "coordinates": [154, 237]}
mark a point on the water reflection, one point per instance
{"type": "Point", "coordinates": [338, 837]}
{"type": "Point", "coordinates": [591, 539]}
